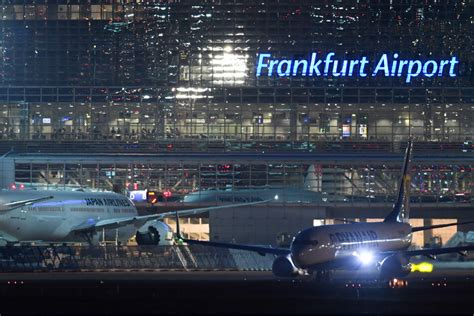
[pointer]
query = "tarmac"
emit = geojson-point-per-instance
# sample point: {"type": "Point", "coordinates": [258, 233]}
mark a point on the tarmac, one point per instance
{"type": "Point", "coordinates": [449, 289]}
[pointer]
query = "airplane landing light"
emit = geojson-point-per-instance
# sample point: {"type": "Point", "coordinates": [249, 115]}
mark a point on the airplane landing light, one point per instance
{"type": "Point", "coordinates": [365, 257]}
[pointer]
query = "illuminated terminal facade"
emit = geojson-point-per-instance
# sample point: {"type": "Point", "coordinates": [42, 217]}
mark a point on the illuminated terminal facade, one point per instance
{"type": "Point", "coordinates": [317, 78]}
{"type": "Point", "coordinates": [181, 70]}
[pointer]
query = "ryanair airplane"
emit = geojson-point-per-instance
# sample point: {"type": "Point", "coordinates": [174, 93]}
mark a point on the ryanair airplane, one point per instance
{"type": "Point", "coordinates": [324, 248]}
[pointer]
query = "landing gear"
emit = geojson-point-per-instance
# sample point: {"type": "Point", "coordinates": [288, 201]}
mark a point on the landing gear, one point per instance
{"type": "Point", "coordinates": [321, 277]}
{"type": "Point", "coordinates": [87, 236]}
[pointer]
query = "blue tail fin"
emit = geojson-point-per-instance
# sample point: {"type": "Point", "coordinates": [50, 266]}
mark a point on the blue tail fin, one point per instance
{"type": "Point", "coordinates": [401, 208]}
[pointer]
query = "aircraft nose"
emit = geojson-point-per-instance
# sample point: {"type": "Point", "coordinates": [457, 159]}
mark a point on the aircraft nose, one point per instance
{"type": "Point", "coordinates": [298, 254]}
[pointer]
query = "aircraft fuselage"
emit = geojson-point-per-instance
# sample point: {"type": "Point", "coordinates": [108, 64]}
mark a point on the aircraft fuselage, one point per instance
{"type": "Point", "coordinates": [321, 244]}
{"type": "Point", "coordinates": [53, 219]}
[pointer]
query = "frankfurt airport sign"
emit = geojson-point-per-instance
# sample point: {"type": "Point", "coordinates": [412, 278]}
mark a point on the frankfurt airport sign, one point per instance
{"type": "Point", "coordinates": [388, 65]}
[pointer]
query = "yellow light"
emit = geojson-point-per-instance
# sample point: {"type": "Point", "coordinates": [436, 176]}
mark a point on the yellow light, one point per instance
{"type": "Point", "coordinates": [423, 267]}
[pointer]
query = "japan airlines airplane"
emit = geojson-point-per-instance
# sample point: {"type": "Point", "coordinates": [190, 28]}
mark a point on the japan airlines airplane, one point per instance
{"type": "Point", "coordinates": [350, 246]}
{"type": "Point", "coordinates": [74, 216]}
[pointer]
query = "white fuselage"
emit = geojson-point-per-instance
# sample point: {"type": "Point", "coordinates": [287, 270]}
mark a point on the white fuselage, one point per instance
{"type": "Point", "coordinates": [52, 220]}
{"type": "Point", "coordinates": [323, 244]}
{"type": "Point", "coordinates": [289, 195]}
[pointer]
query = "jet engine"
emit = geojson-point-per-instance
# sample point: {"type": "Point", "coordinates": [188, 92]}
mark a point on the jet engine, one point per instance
{"type": "Point", "coordinates": [394, 266]}
{"type": "Point", "coordinates": [283, 267]}
{"type": "Point", "coordinates": [154, 233]}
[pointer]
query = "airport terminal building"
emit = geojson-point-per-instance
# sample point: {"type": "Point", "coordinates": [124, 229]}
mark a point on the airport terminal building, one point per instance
{"type": "Point", "coordinates": [192, 96]}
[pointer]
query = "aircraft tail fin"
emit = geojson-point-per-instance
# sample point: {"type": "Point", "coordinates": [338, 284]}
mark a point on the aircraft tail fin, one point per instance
{"type": "Point", "coordinates": [401, 208]}
{"type": "Point", "coordinates": [312, 180]}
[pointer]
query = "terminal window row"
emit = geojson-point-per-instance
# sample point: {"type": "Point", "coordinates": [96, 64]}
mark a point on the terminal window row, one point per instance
{"type": "Point", "coordinates": [277, 122]}
{"type": "Point", "coordinates": [364, 181]}
{"type": "Point", "coordinates": [208, 95]}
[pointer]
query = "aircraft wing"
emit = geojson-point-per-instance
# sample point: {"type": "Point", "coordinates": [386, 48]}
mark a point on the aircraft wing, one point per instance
{"type": "Point", "coordinates": [90, 226]}
{"type": "Point", "coordinates": [433, 251]}
{"type": "Point", "coordinates": [262, 250]}
{"type": "Point", "coordinates": [421, 228]}
{"type": "Point", "coordinates": [14, 205]}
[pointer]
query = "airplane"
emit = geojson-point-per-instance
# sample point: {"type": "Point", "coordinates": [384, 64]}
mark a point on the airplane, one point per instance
{"type": "Point", "coordinates": [317, 251]}
{"type": "Point", "coordinates": [307, 194]}
{"type": "Point", "coordinates": [289, 195]}
{"type": "Point", "coordinates": [46, 216]}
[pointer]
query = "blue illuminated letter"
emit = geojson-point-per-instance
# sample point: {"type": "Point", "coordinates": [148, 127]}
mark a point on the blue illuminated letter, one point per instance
{"type": "Point", "coordinates": [364, 61]}
{"type": "Point", "coordinates": [453, 62]}
{"type": "Point", "coordinates": [441, 67]}
{"type": "Point", "coordinates": [425, 68]}
{"type": "Point", "coordinates": [314, 66]}
{"type": "Point", "coordinates": [394, 65]}
{"type": "Point", "coordinates": [297, 63]}
{"type": "Point", "coordinates": [261, 64]}
{"type": "Point", "coordinates": [343, 68]}
{"type": "Point", "coordinates": [382, 65]}
{"type": "Point", "coordinates": [327, 62]}
{"type": "Point", "coordinates": [351, 67]}
{"type": "Point", "coordinates": [410, 73]}
{"type": "Point", "coordinates": [282, 63]}
{"type": "Point", "coordinates": [400, 67]}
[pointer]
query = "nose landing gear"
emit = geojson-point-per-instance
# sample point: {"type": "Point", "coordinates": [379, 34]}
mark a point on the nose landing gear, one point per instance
{"type": "Point", "coordinates": [321, 277]}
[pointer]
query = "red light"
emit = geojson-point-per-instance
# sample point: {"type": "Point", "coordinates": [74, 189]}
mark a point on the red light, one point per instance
{"type": "Point", "coordinates": [22, 186]}
{"type": "Point", "coordinates": [135, 186]}
{"type": "Point", "coordinates": [167, 194]}
{"type": "Point", "coordinates": [13, 186]}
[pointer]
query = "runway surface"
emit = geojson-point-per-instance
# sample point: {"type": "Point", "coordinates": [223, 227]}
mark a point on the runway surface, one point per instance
{"type": "Point", "coordinates": [447, 290]}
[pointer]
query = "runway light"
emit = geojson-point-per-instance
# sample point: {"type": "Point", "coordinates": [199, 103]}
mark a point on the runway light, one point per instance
{"type": "Point", "coordinates": [397, 283]}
